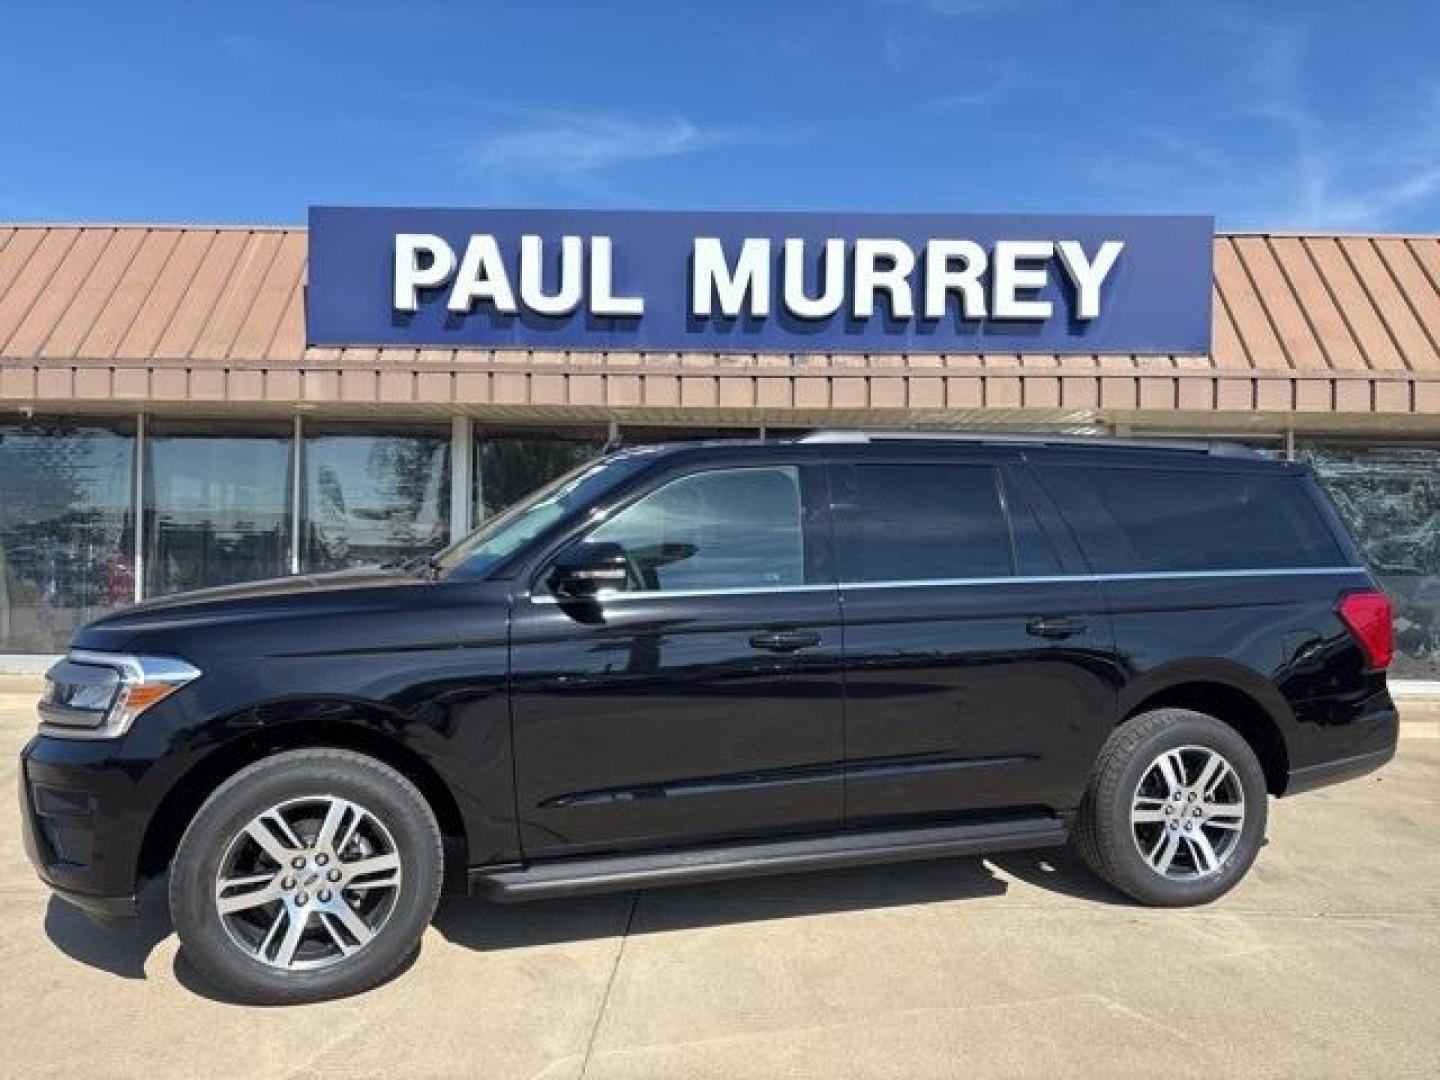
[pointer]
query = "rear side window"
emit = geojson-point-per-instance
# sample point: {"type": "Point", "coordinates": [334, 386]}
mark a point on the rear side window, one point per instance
{"type": "Point", "coordinates": [1138, 520]}
{"type": "Point", "coordinates": [916, 522]}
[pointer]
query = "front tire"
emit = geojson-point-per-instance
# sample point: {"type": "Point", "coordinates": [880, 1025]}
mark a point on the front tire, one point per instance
{"type": "Point", "coordinates": [308, 875]}
{"type": "Point", "coordinates": [1174, 813]}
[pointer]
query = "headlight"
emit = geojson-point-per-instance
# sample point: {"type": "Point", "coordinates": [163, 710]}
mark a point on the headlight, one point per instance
{"type": "Point", "coordinates": [91, 695]}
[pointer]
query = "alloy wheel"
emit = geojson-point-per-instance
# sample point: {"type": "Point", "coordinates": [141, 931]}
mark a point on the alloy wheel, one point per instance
{"type": "Point", "coordinates": [1188, 813]}
{"type": "Point", "coordinates": [308, 882]}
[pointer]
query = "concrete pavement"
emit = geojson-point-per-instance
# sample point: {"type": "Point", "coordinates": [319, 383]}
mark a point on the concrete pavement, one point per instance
{"type": "Point", "coordinates": [1325, 962]}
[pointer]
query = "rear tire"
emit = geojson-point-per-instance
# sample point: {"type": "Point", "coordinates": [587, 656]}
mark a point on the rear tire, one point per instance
{"type": "Point", "coordinates": [1174, 813]}
{"type": "Point", "coordinates": [308, 875]}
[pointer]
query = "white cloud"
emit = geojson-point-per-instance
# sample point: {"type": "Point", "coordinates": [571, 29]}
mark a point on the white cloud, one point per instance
{"type": "Point", "coordinates": [960, 8]}
{"type": "Point", "coordinates": [579, 145]}
{"type": "Point", "coordinates": [1268, 158]}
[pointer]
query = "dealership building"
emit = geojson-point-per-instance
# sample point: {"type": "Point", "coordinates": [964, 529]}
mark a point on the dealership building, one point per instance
{"type": "Point", "coordinates": [183, 406]}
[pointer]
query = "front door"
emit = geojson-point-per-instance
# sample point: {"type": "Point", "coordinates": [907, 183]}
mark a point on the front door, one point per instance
{"type": "Point", "coordinates": [704, 700]}
{"type": "Point", "coordinates": [980, 674]}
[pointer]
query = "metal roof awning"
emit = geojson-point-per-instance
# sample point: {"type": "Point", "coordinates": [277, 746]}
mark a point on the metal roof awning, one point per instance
{"type": "Point", "coordinates": [1324, 329]}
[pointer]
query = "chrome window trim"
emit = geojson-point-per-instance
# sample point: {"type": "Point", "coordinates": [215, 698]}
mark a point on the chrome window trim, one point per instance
{"type": "Point", "coordinates": [1018, 579]}
{"type": "Point", "coordinates": [1149, 575]}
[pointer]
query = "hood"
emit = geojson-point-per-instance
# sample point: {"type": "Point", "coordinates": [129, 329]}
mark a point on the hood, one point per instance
{"type": "Point", "coordinates": [365, 608]}
{"type": "Point", "coordinates": [364, 577]}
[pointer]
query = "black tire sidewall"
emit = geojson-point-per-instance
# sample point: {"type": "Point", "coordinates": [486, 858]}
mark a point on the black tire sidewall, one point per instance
{"type": "Point", "coordinates": [1114, 831]}
{"type": "Point", "coordinates": [297, 774]}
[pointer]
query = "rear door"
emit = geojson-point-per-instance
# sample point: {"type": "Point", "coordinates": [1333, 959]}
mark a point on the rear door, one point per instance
{"type": "Point", "coordinates": [980, 670]}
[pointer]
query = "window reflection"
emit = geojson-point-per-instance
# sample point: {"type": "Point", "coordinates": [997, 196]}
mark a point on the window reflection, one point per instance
{"type": "Point", "coordinates": [1390, 498]}
{"type": "Point", "coordinates": [65, 530]}
{"type": "Point", "coordinates": [509, 467]}
{"type": "Point", "coordinates": [722, 529]}
{"type": "Point", "coordinates": [217, 508]}
{"type": "Point", "coordinates": [373, 497]}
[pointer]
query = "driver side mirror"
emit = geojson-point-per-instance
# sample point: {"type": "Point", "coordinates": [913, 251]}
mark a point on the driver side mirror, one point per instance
{"type": "Point", "coordinates": [585, 569]}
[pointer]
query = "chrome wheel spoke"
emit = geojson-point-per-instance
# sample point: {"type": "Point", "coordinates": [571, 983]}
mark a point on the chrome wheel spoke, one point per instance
{"type": "Point", "coordinates": [1172, 770]}
{"type": "Point", "coordinates": [1202, 852]}
{"type": "Point", "coordinates": [341, 820]}
{"type": "Point", "coordinates": [256, 889]}
{"type": "Point", "coordinates": [281, 919]}
{"type": "Point", "coordinates": [352, 923]}
{"type": "Point", "coordinates": [290, 943]}
{"type": "Point", "coordinates": [274, 836]}
{"type": "Point", "coordinates": [1148, 810]}
{"type": "Point", "coordinates": [1212, 775]}
{"type": "Point", "coordinates": [381, 871]}
{"type": "Point", "coordinates": [1164, 853]}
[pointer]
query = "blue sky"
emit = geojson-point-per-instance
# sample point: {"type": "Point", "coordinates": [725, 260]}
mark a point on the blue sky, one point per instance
{"type": "Point", "coordinates": [1274, 114]}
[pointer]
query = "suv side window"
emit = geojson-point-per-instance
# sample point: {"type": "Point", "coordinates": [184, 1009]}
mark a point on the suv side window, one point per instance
{"type": "Point", "coordinates": [1158, 520]}
{"type": "Point", "coordinates": [721, 529]}
{"type": "Point", "coordinates": [923, 521]}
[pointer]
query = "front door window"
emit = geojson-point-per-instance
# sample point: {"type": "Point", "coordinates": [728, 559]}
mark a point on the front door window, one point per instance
{"type": "Point", "coordinates": [723, 529]}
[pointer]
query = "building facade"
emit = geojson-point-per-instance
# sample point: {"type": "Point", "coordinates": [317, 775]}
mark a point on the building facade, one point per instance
{"type": "Point", "coordinates": [164, 424]}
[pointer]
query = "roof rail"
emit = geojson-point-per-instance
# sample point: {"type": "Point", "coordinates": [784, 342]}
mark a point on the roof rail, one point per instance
{"type": "Point", "coordinates": [1217, 448]}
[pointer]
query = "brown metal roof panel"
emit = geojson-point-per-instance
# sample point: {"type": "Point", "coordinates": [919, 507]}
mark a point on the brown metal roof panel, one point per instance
{"type": "Point", "coordinates": [1422, 292]}
{"type": "Point", "coordinates": [129, 293]}
{"type": "Point", "coordinates": [1281, 307]}
{"type": "Point", "coordinates": [1252, 322]}
{"type": "Point", "coordinates": [288, 341]}
{"type": "Point", "coordinates": [93, 293]}
{"type": "Point", "coordinates": [237, 297]}
{"type": "Point", "coordinates": [275, 292]}
{"type": "Point", "coordinates": [1405, 330]}
{"type": "Point", "coordinates": [165, 296]}
{"type": "Point", "coordinates": [1427, 254]}
{"type": "Point", "coordinates": [202, 292]}
{"type": "Point", "coordinates": [1225, 346]}
{"type": "Point", "coordinates": [15, 256]}
{"type": "Point", "coordinates": [30, 281]}
{"type": "Point", "coordinates": [1355, 304]}
{"type": "Point", "coordinates": [57, 292]}
{"type": "Point", "coordinates": [1332, 332]}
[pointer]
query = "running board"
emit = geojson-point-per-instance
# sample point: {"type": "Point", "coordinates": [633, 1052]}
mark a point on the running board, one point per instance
{"type": "Point", "coordinates": [621, 873]}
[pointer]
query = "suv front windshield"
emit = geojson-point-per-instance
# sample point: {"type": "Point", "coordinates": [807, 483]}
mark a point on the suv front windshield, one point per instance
{"type": "Point", "coordinates": [506, 532]}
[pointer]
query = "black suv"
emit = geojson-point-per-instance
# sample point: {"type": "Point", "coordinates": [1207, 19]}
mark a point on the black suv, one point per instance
{"type": "Point", "coordinates": [688, 662]}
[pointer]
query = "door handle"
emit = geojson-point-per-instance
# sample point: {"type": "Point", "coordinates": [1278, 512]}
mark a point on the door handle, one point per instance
{"type": "Point", "coordinates": [784, 640]}
{"type": "Point", "coordinates": [1055, 626]}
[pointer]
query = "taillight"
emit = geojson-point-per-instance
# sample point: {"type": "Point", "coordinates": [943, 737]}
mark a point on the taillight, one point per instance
{"type": "Point", "coordinates": [1371, 619]}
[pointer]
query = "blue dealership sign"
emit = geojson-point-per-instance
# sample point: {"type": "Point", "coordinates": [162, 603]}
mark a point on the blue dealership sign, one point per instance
{"type": "Point", "coordinates": [758, 282]}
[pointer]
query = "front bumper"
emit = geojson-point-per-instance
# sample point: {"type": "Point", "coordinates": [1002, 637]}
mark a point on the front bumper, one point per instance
{"type": "Point", "coordinates": [81, 823]}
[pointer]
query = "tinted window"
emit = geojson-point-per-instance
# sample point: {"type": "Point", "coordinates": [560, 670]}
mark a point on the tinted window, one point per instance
{"type": "Point", "coordinates": [509, 467]}
{"type": "Point", "coordinates": [217, 508]}
{"type": "Point", "coordinates": [1137, 520]}
{"type": "Point", "coordinates": [923, 521]}
{"type": "Point", "coordinates": [66, 530]}
{"type": "Point", "coordinates": [373, 496]}
{"type": "Point", "coordinates": [725, 529]}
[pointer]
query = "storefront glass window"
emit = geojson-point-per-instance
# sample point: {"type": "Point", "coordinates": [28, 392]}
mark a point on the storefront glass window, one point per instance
{"type": "Point", "coordinates": [1390, 497]}
{"type": "Point", "coordinates": [374, 497]}
{"type": "Point", "coordinates": [65, 530]}
{"type": "Point", "coordinates": [510, 466]}
{"type": "Point", "coordinates": [217, 507]}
